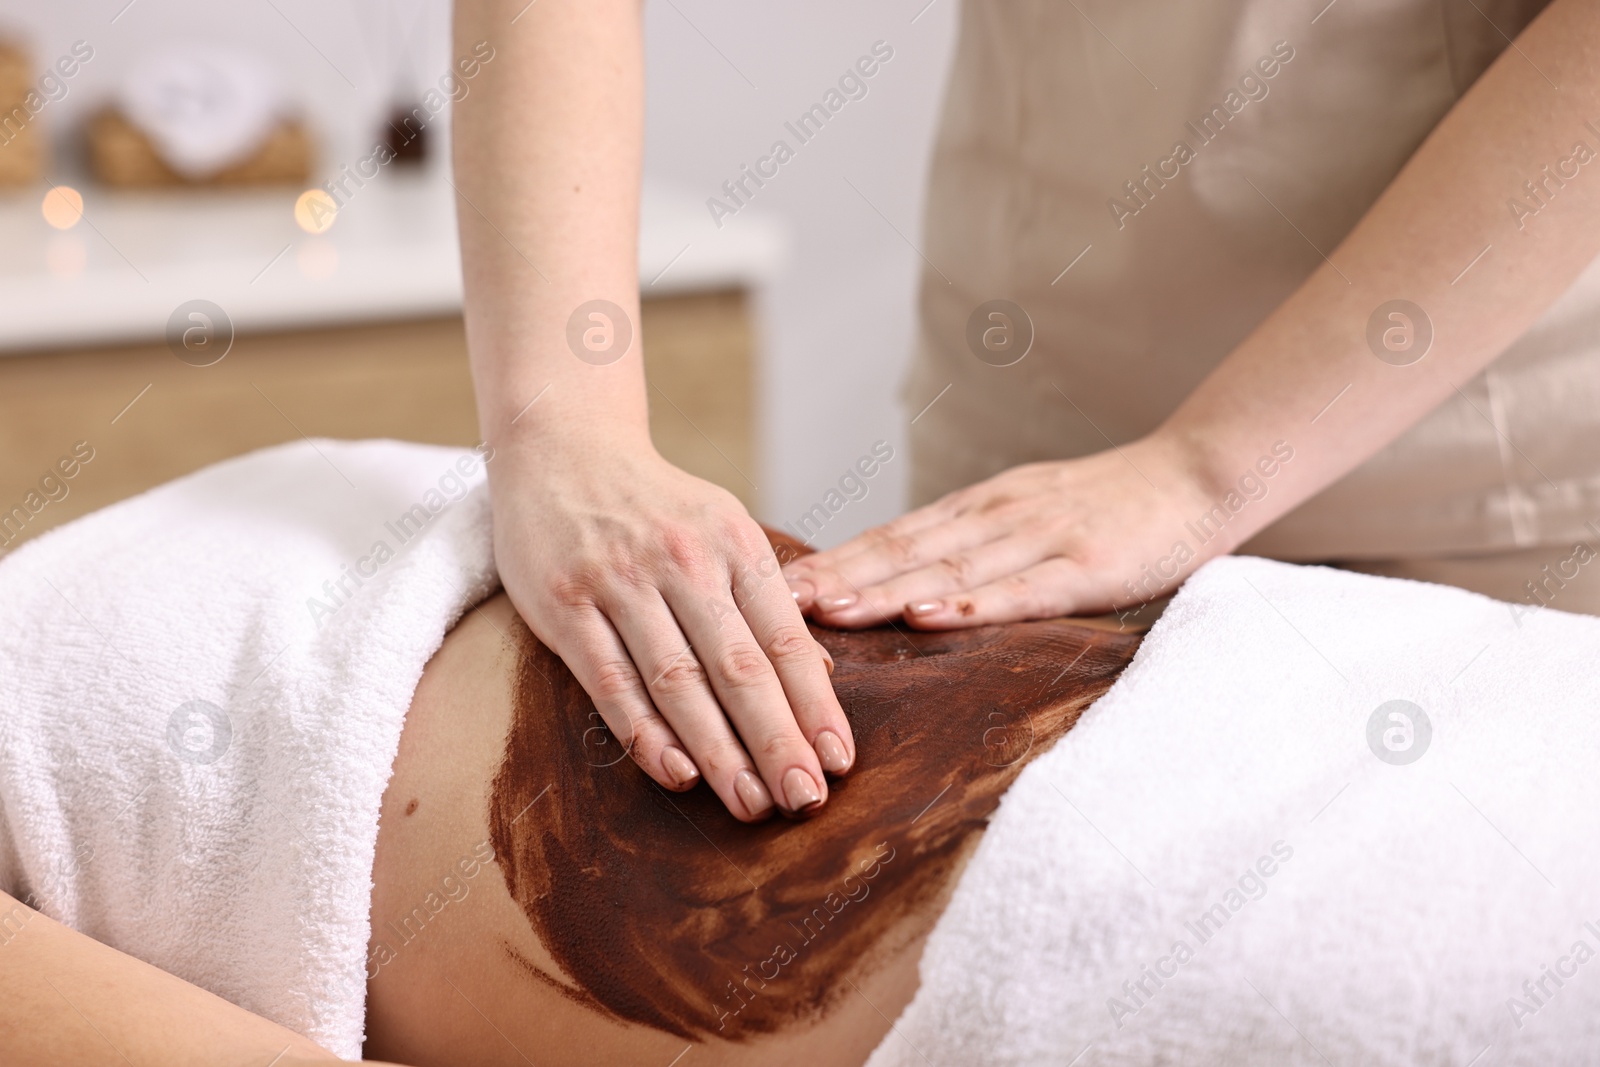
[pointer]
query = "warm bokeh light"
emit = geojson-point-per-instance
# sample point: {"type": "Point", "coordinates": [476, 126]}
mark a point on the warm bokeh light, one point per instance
{"type": "Point", "coordinates": [62, 207]}
{"type": "Point", "coordinates": [315, 211]}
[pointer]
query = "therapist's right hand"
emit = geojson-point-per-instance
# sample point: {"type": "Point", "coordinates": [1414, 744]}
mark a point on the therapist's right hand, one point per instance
{"type": "Point", "coordinates": [664, 598]}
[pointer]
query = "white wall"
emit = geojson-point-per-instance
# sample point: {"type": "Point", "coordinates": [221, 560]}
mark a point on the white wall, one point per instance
{"type": "Point", "coordinates": [840, 319]}
{"type": "Point", "coordinates": [724, 76]}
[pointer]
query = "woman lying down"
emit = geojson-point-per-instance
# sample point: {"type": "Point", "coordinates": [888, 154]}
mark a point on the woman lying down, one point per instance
{"type": "Point", "coordinates": [214, 679]}
{"type": "Point", "coordinates": [281, 778]}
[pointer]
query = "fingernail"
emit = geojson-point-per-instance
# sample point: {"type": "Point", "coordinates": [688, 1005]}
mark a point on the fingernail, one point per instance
{"type": "Point", "coordinates": [831, 751]}
{"type": "Point", "coordinates": [804, 592]}
{"type": "Point", "coordinates": [925, 607]}
{"type": "Point", "coordinates": [835, 603]}
{"type": "Point", "coordinates": [799, 790]}
{"type": "Point", "coordinates": [752, 793]}
{"type": "Point", "coordinates": [679, 767]}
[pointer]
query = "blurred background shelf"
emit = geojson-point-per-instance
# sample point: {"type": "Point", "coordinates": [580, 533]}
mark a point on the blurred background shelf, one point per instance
{"type": "Point", "coordinates": [352, 333]}
{"type": "Point", "coordinates": [118, 274]}
{"type": "Point", "coordinates": [150, 418]}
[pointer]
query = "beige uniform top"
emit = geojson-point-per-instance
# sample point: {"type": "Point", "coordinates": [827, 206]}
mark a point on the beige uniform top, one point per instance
{"type": "Point", "coordinates": [1295, 122]}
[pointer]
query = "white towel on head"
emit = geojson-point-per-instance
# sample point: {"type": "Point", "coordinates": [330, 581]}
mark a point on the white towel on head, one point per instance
{"type": "Point", "coordinates": [204, 688]}
{"type": "Point", "coordinates": [1351, 881]}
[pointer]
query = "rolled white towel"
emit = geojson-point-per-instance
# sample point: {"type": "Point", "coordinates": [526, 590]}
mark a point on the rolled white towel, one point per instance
{"type": "Point", "coordinates": [1246, 854]}
{"type": "Point", "coordinates": [204, 688]}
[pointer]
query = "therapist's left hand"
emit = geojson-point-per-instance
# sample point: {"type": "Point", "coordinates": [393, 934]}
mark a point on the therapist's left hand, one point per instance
{"type": "Point", "coordinates": [1069, 537]}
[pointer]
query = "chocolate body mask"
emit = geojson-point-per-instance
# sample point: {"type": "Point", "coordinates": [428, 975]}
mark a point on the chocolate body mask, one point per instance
{"type": "Point", "coordinates": [661, 909]}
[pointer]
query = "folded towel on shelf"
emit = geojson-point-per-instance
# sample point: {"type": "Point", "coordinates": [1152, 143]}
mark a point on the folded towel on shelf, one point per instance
{"type": "Point", "coordinates": [204, 108]}
{"type": "Point", "coordinates": [204, 691]}
{"type": "Point", "coordinates": [1322, 818]}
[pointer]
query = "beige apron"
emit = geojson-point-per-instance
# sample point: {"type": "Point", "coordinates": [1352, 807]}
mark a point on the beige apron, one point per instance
{"type": "Point", "coordinates": [1057, 111]}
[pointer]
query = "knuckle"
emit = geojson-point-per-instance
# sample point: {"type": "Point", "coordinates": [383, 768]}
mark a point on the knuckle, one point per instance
{"type": "Point", "coordinates": [741, 664]}
{"type": "Point", "coordinates": [683, 547]}
{"type": "Point", "coordinates": [575, 589]}
{"type": "Point", "coordinates": [721, 760]}
{"type": "Point", "coordinates": [679, 674]}
{"type": "Point", "coordinates": [790, 643]}
{"type": "Point", "coordinates": [777, 749]}
{"type": "Point", "coordinates": [1002, 507]}
{"type": "Point", "coordinates": [613, 679]}
{"type": "Point", "coordinates": [742, 532]}
{"type": "Point", "coordinates": [902, 548]}
{"type": "Point", "coordinates": [958, 568]}
{"type": "Point", "coordinates": [878, 537]}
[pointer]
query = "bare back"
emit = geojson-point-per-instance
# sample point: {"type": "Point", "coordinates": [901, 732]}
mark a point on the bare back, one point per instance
{"type": "Point", "coordinates": [533, 903]}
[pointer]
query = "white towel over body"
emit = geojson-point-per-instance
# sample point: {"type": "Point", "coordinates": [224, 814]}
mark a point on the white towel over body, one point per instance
{"type": "Point", "coordinates": [196, 731]}
{"type": "Point", "coordinates": [1332, 906]}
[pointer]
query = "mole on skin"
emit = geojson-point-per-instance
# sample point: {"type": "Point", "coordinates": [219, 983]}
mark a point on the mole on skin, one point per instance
{"type": "Point", "coordinates": [660, 908]}
{"type": "Point", "coordinates": [411, 807]}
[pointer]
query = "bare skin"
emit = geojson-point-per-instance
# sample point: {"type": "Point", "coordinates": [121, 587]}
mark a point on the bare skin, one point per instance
{"type": "Point", "coordinates": [1060, 538]}
{"type": "Point", "coordinates": [617, 923]}
{"type": "Point", "coordinates": [657, 587]}
{"type": "Point", "coordinates": [66, 998]}
{"type": "Point", "coordinates": [454, 994]}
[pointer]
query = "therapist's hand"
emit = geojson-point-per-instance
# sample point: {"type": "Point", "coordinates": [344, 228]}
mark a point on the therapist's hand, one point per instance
{"type": "Point", "coordinates": [1071, 537]}
{"type": "Point", "coordinates": [664, 598]}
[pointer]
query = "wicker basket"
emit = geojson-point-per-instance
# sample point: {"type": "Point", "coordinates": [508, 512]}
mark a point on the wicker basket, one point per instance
{"type": "Point", "coordinates": [122, 156]}
{"type": "Point", "coordinates": [22, 151]}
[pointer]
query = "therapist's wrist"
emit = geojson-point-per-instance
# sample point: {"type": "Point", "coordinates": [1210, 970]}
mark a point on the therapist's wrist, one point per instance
{"type": "Point", "coordinates": [1249, 481]}
{"type": "Point", "coordinates": [584, 448]}
{"type": "Point", "coordinates": [568, 416]}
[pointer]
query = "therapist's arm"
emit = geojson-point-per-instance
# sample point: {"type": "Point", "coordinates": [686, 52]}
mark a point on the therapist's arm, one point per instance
{"type": "Point", "coordinates": [656, 588]}
{"type": "Point", "coordinates": [1075, 536]}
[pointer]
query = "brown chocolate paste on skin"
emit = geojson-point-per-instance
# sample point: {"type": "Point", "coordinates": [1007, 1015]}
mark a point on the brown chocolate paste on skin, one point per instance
{"type": "Point", "coordinates": [661, 909]}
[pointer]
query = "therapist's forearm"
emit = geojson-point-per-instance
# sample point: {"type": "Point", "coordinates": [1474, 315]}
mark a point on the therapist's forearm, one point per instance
{"type": "Point", "coordinates": [547, 150]}
{"type": "Point", "coordinates": [1440, 212]}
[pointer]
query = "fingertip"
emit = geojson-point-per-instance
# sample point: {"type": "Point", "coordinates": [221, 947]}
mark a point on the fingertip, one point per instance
{"type": "Point", "coordinates": [752, 793]}
{"type": "Point", "coordinates": [835, 603]}
{"type": "Point", "coordinates": [803, 792]}
{"type": "Point", "coordinates": [845, 612]}
{"type": "Point", "coordinates": [679, 769]}
{"type": "Point", "coordinates": [927, 620]}
{"type": "Point", "coordinates": [803, 591]}
{"type": "Point", "coordinates": [833, 754]}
